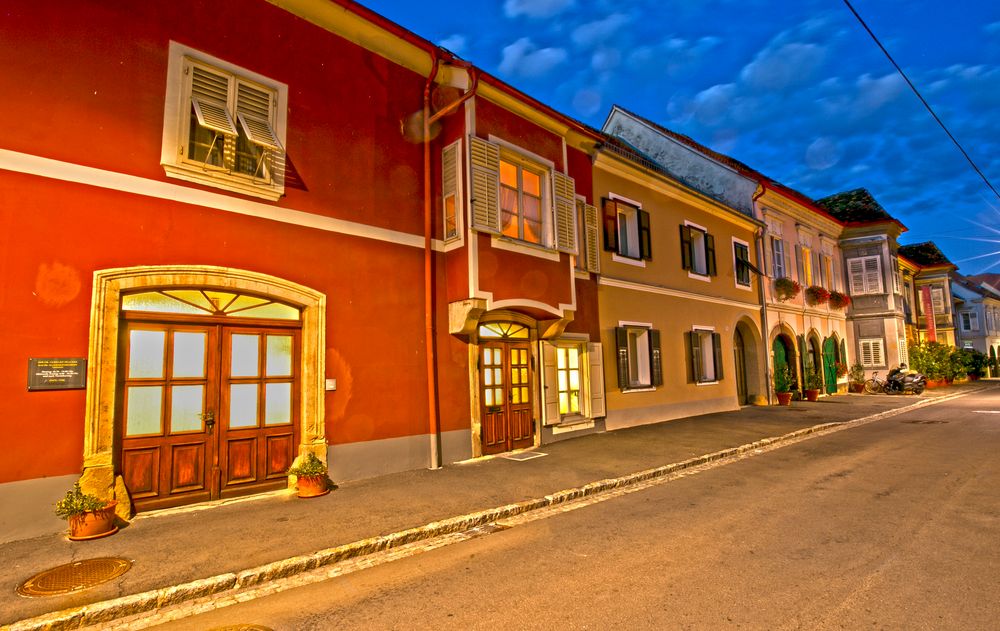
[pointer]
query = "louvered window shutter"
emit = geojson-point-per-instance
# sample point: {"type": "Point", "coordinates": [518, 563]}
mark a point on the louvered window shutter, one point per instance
{"type": "Point", "coordinates": [610, 225]}
{"type": "Point", "coordinates": [550, 385]}
{"type": "Point", "coordinates": [856, 269]}
{"type": "Point", "coordinates": [798, 265]}
{"type": "Point", "coordinates": [484, 158]}
{"type": "Point", "coordinates": [595, 356]}
{"type": "Point", "coordinates": [645, 242]}
{"type": "Point", "coordinates": [802, 359]}
{"type": "Point", "coordinates": [592, 229]}
{"type": "Point", "coordinates": [621, 344]}
{"type": "Point", "coordinates": [686, 254]}
{"type": "Point", "coordinates": [253, 110]}
{"type": "Point", "coordinates": [449, 189]}
{"type": "Point", "coordinates": [655, 359]}
{"type": "Point", "coordinates": [710, 254]}
{"type": "Point", "coordinates": [694, 343]}
{"type": "Point", "coordinates": [209, 97]}
{"type": "Point", "coordinates": [717, 349]}
{"type": "Point", "coordinates": [873, 275]}
{"type": "Point", "coordinates": [565, 212]}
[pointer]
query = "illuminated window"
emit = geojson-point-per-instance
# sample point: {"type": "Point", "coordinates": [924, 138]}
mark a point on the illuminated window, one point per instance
{"type": "Point", "coordinates": [209, 302]}
{"type": "Point", "coordinates": [521, 202]}
{"type": "Point", "coordinates": [508, 330]}
{"type": "Point", "coordinates": [807, 269]}
{"type": "Point", "coordinates": [568, 379]}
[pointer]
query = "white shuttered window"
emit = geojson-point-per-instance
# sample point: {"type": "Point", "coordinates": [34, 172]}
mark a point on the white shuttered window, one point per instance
{"type": "Point", "coordinates": [865, 274]}
{"type": "Point", "coordinates": [872, 353]}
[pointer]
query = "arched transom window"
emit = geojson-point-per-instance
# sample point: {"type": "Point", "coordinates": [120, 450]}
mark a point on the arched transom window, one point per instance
{"type": "Point", "coordinates": [209, 302]}
{"type": "Point", "coordinates": [503, 330]}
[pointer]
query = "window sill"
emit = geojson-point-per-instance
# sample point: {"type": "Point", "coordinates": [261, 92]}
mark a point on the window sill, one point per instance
{"type": "Point", "coordinates": [707, 383]}
{"type": "Point", "coordinates": [638, 389]}
{"type": "Point", "coordinates": [618, 258]}
{"type": "Point", "coordinates": [746, 287]}
{"type": "Point", "coordinates": [524, 247]}
{"type": "Point", "coordinates": [701, 277]}
{"type": "Point", "coordinates": [575, 426]}
{"type": "Point", "coordinates": [224, 181]}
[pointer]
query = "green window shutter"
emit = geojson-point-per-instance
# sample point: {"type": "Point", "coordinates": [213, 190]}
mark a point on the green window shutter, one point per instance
{"type": "Point", "coordinates": [695, 345]}
{"type": "Point", "coordinates": [592, 234]}
{"type": "Point", "coordinates": [655, 359]}
{"type": "Point", "coordinates": [610, 225]}
{"type": "Point", "coordinates": [564, 202]}
{"type": "Point", "coordinates": [645, 243]}
{"type": "Point", "coordinates": [484, 159]}
{"type": "Point", "coordinates": [686, 254]}
{"type": "Point", "coordinates": [710, 254]}
{"type": "Point", "coordinates": [621, 345]}
{"type": "Point", "coordinates": [717, 348]}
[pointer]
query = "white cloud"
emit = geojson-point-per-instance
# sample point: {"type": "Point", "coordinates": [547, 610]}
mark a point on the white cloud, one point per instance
{"type": "Point", "coordinates": [874, 93]}
{"type": "Point", "coordinates": [711, 104]}
{"type": "Point", "coordinates": [993, 28]}
{"type": "Point", "coordinates": [587, 101]}
{"type": "Point", "coordinates": [593, 33]}
{"type": "Point", "coordinates": [605, 59]}
{"type": "Point", "coordinates": [535, 8]}
{"type": "Point", "coordinates": [822, 153]}
{"type": "Point", "coordinates": [455, 43]}
{"type": "Point", "coordinates": [523, 58]}
{"type": "Point", "coordinates": [784, 66]}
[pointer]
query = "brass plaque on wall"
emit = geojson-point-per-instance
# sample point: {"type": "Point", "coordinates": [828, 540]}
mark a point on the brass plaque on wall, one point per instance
{"type": "Point", "coordinates": [57, 373]}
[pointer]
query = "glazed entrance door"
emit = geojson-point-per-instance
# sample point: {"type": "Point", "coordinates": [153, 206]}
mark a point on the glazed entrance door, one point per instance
{"type": "Point", "coordinates": [741, 368]}
{"type": "Point", "coordinates": [505, 394]}
{"type": "Point", "coordinates": [206, 411]}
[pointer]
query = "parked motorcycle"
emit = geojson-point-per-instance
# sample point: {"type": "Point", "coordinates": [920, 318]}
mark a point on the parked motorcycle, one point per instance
{"type": "Point", "coordinates": [903, 381]}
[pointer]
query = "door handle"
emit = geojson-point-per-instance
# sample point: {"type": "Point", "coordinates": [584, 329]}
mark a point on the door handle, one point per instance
{"type": "Point", "coordinates": [209, 419]}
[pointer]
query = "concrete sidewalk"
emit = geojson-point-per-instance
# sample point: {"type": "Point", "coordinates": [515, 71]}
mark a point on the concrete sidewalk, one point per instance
{"type": "Point", "coordinates": [179, 546]}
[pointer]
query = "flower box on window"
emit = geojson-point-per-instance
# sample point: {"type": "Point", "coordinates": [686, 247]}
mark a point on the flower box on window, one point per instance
{"type": "Point", "coordinates": [786, 288]}
{"type": "Point", "coordinates": [839, 300]}
{"type": "Point", "coordinates": [816, 295]}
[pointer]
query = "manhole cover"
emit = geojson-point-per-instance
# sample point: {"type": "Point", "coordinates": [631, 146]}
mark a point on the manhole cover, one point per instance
{"type": "Point", "coordinates": [74, 576]}
{"type": "Point", "coordinates": [524, 455]}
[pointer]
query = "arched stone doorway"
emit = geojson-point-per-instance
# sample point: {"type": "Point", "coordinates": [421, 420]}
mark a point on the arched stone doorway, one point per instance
{"type": "Point", "coordinates": [784, 357]}
{"type": "Point", "coordinates": [750, 386]}
{"type": "Point", "coordinates": [100, 475]}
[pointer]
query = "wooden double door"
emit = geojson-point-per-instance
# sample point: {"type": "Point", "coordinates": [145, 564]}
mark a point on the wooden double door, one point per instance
{"type": "Point", "coordinates": [506, 378]}
{"type": "Point", "coordinates": [205, 410]}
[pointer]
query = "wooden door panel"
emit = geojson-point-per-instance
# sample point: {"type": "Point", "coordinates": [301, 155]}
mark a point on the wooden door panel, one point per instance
{"type": "Point", "coordinates": [506, 394]}
{"type": "Point", "coordinates": [279, 449]}
{"type": "Point", "coordinates": [241, 457]}
{"type": "Point", "coordinates": [141, 472]}
{"type": "Point", "coordinates": [187, 467]}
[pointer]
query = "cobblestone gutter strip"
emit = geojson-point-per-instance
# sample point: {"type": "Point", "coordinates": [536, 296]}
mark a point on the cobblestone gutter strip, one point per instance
{"type": "Point", "coordinates": [109, 610]}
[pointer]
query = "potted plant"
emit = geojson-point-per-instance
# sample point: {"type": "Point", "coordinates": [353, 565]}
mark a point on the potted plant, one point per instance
{"type": "Point", "coordinates": [311, 476]}
{"type": "Point", "coordinates": [816, 295]}
{"type": "Point", "coordinates": [857, 378]}
{"type": "Point", "coordinates": [89, 516]}
{"type": "Point", "coordinates": [814, 382]}
{"type": "Point", "coordinates": [783, 384]}
{"type": "Point", "coordinates": [786, 288]}
{"type": "Point", "coordinates": [839, 300]}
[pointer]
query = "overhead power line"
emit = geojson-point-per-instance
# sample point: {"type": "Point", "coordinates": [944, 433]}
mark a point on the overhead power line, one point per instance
{"type": "Point", "coordinates": [922, 100]}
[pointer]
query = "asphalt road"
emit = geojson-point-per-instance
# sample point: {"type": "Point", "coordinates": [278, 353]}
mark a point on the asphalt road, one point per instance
{"type": "Point", "coordinates": [891, 525]}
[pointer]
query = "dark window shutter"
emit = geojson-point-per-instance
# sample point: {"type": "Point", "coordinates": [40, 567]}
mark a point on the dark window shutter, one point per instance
{"type": "Point", "coordinates": [655, 361]}
{"type": "Point", "coordinates": [696, 372]}
{"type": "Point", "coordinates": [645, 243]}
{"type": "Point", "coordinates": [802, 361]}
{"type": "Point", "coordinates": [610, 225]}
{"type": "Point", "coordinates": [710, 253]}
{"type": "Point", "coordinates": [685, 247]}
{"type": "Point", "coordinates": [717, 348]}
{"type": "Point", "coordinates": [621, 343]}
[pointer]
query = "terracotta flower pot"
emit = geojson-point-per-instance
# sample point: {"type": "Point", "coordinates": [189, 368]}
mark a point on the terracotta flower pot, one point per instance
{"type": "Point", "coordinates": [857, 388]}
{"type": "Point", "coordinates": [784, 398]}
{"type": "Point", "coordinates": [93, 524]}
{"type": "Point", "coordinates": [812, 395]}
{"type": "Point", "coordinates": [312, 485]}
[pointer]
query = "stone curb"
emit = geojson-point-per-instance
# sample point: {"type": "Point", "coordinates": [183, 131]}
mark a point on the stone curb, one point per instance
{"type": "Point", "coordinates": [108, 610]}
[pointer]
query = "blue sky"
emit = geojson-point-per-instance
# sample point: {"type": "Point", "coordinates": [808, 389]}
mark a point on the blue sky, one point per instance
{"type": "Point", "coordinates": [797, 90]}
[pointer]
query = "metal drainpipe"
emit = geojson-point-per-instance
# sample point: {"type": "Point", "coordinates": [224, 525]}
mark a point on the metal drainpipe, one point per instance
{"type": "Point", "coordinates": [433, 419]}
{"type": "Point", "coordinates": [761, 237]}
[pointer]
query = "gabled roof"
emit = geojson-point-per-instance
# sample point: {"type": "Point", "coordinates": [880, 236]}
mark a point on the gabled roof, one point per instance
{"type": "Point", "coordinates": [993, 280]}
{"type": "Point", "coordinates": [856, 207]}
{"type": "Point", "coordinates": [925, 254]}
{"type": "Point", "coordinates": [728, 161]}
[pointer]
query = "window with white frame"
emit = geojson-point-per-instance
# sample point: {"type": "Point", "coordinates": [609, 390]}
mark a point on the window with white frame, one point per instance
{"type": "Point", "coordinates": [521, 200]}
{"type": "Point", "coordinates": [970, 321]}
{"type": "Point", "coordinates": [872, 352]}
{"type": "Point", "coordinates": [572, 380]}
{"type": "Point", "coordinates": [741, 262]}
{"type": "Point", "coordinates": [705, 352]}
{"type": "Point", "coordinates": [223, 126]}
{"type": "Point", "coordinates": [937, 299]}
{"type": "Point", "coordinates": [778, 257]}
{"type": "Point", "coordinates": [626, 229]}
{"type": "Point", "coordinates": [639, 361]}
{"type": "Point", "coordinates": [697, 250]}
{"type": "Point", "coordinates": [866, 275]}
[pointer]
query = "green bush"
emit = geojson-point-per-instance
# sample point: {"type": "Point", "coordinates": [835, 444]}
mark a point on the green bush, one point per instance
{"type": "Point", "coordinates": [77, 502]}
{"type": "Point", "coordinates": [932, 359]}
